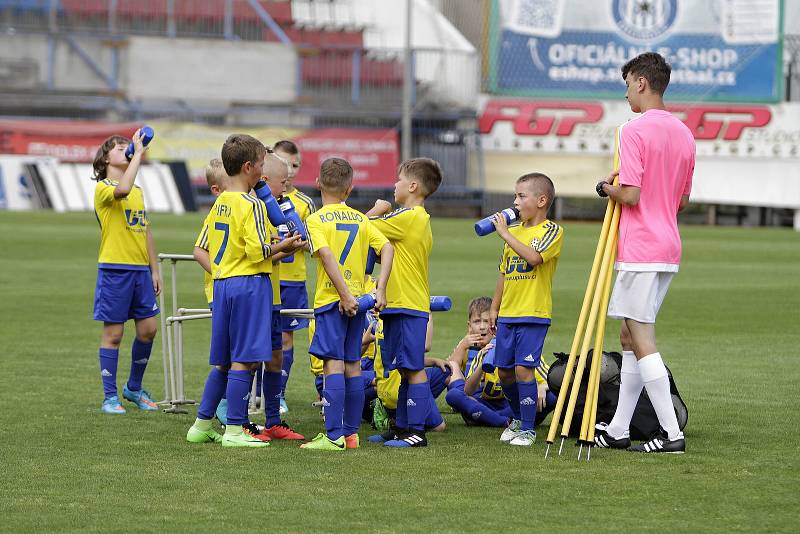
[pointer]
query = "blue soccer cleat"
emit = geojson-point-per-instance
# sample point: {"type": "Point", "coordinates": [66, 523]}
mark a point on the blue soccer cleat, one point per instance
{"type": "Point", "coordinates": [412, 438]}
{"type": "Point", "coordinates": [112, 406]}
{"type": "Point", "coordinates": [140, 398]}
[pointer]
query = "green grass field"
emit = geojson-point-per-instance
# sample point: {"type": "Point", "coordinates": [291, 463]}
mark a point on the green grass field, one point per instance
{"type": "Point", "coordinates": [728, 330]}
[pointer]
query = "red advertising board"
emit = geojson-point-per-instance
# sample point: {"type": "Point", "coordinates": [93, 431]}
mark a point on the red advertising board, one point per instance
{"type": "Point", "coordinates": [372, 153]}
{"type": "Point", "coordinates": [69, 141]}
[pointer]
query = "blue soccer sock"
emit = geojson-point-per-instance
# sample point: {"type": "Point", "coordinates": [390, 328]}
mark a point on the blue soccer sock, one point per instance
{"type": "Point", "coordinates": [418, 405]}
{"type": "Point", "coordinates": [333, 394]}
{"type": "Point", "coordinates": [471, 409]}
{"type": "Point", "coordinates": [216, 383]}
{"type": "Point", "coordinates": [237, 393]}
{"type": "Point", "coordinates": [286, 369]}
{"type": "Point", "coordinates": [140, 355]}
{"type": "Point", "coordinates": [353, 404]}
{"type": "Point", "coordinates": [108, 371]}
{"type": "Point", "coordinates": [549, 406]}
{"type": "Point", "coordinates": [401, 415]}
{"type": "Point", "coordinates": [527, 404]}
{"type": "Point", "coordinates": [272, 398]}
{"type": "Point", "coordinates": [434, 417]}
{"type": "Point", "coordinates": [511, 392]}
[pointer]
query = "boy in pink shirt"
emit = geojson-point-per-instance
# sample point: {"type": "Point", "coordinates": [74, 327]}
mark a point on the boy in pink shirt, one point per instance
{"type": "Point", "coordinates": [657, 155]}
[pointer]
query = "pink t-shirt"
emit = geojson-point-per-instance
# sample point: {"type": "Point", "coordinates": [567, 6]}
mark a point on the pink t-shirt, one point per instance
{"type": "Point", "coordinates": [657, 154]}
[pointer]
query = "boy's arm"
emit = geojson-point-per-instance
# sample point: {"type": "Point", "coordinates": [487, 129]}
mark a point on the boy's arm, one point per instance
{"type": "Point", "coordinates": [473, 382]}
{"type": "Point", "coordinates": [387, 257]}
{"type": "Point", "coordinates": [437, 362]}
{"type": "Point", "coordinates": [347, 302]}
{"type": "Point", "coordinates": [201, 256]}
{"type": "Point", "coordinates": [527, 253]}
{"type": "Point", "coordinates": [494, 310]}
{"type": "Point", "coordinates": [151, 254]}
{"type": "Point", "coordinates": [125, 184]}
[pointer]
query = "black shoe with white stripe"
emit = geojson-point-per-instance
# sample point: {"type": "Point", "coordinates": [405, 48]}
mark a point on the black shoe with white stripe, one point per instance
{"type": "Point", "coordinates": [604, 441]}
{"type": "Point", "coordinates": [412, 438]}
{"type": "Point", "coordinates": [660, 443]}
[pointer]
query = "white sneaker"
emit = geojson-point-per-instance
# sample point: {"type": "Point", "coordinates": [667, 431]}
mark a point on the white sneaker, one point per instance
{"type": "Point", "coordinates": [511, 431]}
{"type": "Point", "coordinates": [525, 438]}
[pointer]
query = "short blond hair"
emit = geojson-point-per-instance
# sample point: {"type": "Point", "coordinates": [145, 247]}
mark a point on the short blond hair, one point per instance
{"type": "Point", "coordinates": [335, 175]}
{"type": "Point", "coordinates": [215, 173]}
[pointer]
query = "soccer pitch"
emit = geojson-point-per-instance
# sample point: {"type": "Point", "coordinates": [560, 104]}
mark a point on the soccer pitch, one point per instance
{"type": "Point", "coordinates": [728, 331]}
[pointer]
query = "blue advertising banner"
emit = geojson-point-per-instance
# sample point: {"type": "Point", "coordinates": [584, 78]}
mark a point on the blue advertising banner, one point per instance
{"type": "Point", "coordinates": [719, 50]}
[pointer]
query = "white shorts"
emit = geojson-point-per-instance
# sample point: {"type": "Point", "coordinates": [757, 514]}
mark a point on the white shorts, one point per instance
{"type": "Point", "coordinates": [638, 295]}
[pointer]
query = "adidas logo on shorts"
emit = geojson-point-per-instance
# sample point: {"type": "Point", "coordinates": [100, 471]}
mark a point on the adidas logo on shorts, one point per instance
{"type": "Point", "coordinates": [411, 403]}
{"type": "Point", "coordinates": [105, 372]}
{"type": "Point", "coordinates": [155, 307]}
{"type": "Point", "coordinates": [529, 358]}
{"type": "Point", "coordinates": [477, 415]}
{"type": "Point", "coordinates": [324, 402]}
{"type": "Point", "coordinates": [284, 373]}
{"type": "Point", "coordinates": [294, 322]}
{"type": "Point", "coordinates": [527, 401]}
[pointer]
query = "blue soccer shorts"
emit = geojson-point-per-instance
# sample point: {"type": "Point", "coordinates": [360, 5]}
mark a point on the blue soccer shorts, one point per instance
{"type": "Point", "coordinates": [519, 344]}
{"type": "Point", "coordinates": [275, 328]}
{"type": "Point", "coordinates": [240, 324]}
{"type": "Point", "coordinates": [122, 294]}
{"type": "Point", "coordinates": [337, 336]}
{"type": "Point", "coordinates": [293, 296]}
{"type": "Point", "coordinates": [404, 340]}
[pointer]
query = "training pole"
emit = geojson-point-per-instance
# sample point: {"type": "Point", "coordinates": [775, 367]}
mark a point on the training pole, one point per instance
{"type": "Point", "coordinates": [590, 287]}
{"type": "Point", "coordinates": [593, 387]}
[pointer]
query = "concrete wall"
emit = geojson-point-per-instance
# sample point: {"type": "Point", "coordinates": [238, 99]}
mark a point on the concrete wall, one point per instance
{"type": "Point", "coordinates": [201, 71]}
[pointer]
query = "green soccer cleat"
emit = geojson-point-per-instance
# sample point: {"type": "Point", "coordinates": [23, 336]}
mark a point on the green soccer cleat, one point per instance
{"type": "Point", "coordinates": [323, 443]}
{"type": "Point", "coordinates": [196, 435]}
{"type": "Point", "coordinates": [235, 436]}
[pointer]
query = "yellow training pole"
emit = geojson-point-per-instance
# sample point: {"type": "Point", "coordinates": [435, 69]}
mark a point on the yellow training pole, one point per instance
{"type": "Point", "coordinates": [604, 267]}
{"type": "Point", "coordinates": [562, 393]}
{"type": "Point", "coordinates": [593, 387]}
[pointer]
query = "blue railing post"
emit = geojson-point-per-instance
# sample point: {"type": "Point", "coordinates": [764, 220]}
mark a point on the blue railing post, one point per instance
{"type": "Point", "coordinates": [267, 19]}
{"type": "Point", "coordinates": [172, 29]}
{"type": "Point", "coordinates": [228, 28]}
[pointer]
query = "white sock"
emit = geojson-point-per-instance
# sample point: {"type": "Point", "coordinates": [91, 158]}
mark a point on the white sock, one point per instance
{"type": "Point", "coordinates": [656, 381]}
{"type": "Point", "coordinates": [630, 388]}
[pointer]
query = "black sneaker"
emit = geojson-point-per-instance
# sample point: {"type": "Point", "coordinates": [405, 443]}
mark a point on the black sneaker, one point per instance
{"type": "Point", "coordinates": [604, 441]}
{"type": "Point", "coordinates": [660, 443]}
{"type": "Point", "coordinates": [411, 438]}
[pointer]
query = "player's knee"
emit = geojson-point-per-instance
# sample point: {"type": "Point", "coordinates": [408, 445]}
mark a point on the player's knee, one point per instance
{"type": "Point", "coordinates": [441, 427]}
{"type": "Point", "coordinates": [625, 338]}
{"type": "Point", "coordinates": [507, 376]}
{"type": "Point", "coordinates": [523, 374]}
{"type": "Point", "coordinates": [453, 397]}
{"type": "Point", "coordinates": [287, 340]}
{"type": "Point", "coordinates": [112, 337]}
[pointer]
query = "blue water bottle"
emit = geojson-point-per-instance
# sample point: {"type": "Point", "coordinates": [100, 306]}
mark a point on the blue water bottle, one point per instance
{"type": "Point", "coordinates": [486, 226]}
{"type": "Point", "coordinates": [366, 302]}
{"type": "Point", "coordinates": [488, 360]}
{"type": "Point", "coordinates": [293, 222]}
{"type": "Point", "coordinates": [274, 213]}
{"type": "Point", "coordinates": [147, 134]}
{"type": "Point", "coordinates": [440, 304]}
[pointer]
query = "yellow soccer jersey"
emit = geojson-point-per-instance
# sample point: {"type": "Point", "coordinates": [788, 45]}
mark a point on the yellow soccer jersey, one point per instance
{"type": "Point", "coordinates": [208, 281]}
{"type": "Point", "coordinates": [349, 235]}
{"type": "Point", "coordinates": [315, 363]}
{"type": "Point", "coordinates": [387, 383]}
{"type": "Point", "coordinates": [490, 382]}
{"type": "Point", "coordinates": [409, 230]}
{"type": "Point", "coordinates": [294, 267]}
{"type": "Point", "coordinates": [527, 290]}
{"type": "Point", "coordinates": [238, 236]}
{"type": "Point", "coordinates": [123, 227]}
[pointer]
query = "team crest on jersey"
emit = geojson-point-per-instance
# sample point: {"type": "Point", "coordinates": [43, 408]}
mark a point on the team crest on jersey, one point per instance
{"type": "Point", "coordinates": [347, 274]}
{"type": "Point", "coordinates": [644, 20]}
{"type": "Point", "coordinates": [534, 242]}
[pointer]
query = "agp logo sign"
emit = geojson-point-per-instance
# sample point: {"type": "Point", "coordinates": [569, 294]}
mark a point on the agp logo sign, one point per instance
{"type": "Point", "coordinates": [721, 122]}
{"type": "Point", "coordinates": [538, 117]}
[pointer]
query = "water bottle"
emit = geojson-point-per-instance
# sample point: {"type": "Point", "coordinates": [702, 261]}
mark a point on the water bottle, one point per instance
{"type": "Point", "coordinates": [486, 226]}
{"type": "Point", "coordinates": [372, 258]}
{"type": "Point", "coordinates": [293, 222]}
{"type": "Point", "coordinates": [440, 304]}
{"type": "Point", "coordinates": [488, 360]}
{"type": "Point", "coordinates": [274, 213]}
{"type": "Point", "coordinates": [366, 302]}
{"type": "Point", "coordinates": [147, 134]}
